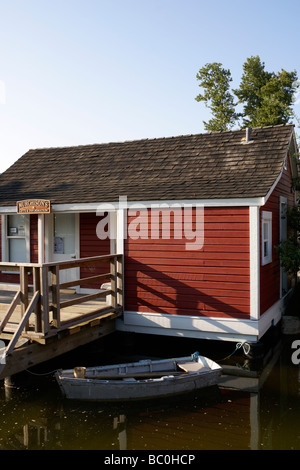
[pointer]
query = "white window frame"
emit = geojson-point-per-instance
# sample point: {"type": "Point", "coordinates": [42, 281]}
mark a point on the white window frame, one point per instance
{"type": "Point", "coordinates": [266, 218]}
{"type": "Point", "coordinates": [5, 238]}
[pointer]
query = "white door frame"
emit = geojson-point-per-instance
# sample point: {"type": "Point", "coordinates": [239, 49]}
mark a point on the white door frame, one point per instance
{"type": "Point", "coordinates": [49, 237]}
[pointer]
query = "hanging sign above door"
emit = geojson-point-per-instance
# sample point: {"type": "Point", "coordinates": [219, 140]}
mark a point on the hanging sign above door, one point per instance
{"type": "Point", "coordinates": [34, 206]}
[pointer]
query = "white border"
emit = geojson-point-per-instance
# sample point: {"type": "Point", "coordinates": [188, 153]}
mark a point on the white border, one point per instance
{"type": "Point", "coordinates": [266, 216]}
{"type": "Point", "coordinates": [41, 238]}
{"type": "Point", "coordinates": [225, 329]}
{"type": "Point", "coordinates": [92, 207]}
{"type": "Point", "coordinates": [254, 263]}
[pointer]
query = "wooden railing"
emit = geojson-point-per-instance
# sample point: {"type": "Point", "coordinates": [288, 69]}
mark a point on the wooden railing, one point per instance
{"type": "Point", "coordinates": [39, 295]}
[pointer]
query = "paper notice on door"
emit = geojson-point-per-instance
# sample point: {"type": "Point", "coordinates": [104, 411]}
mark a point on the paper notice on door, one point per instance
{"type": "Point", "coordinates": [58, 245]}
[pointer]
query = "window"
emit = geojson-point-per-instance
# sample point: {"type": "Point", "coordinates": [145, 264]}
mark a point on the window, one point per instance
{"type": "Point", "coordinates": [266, 234]}
{"type": "Point", "coordinates": [16, 239]}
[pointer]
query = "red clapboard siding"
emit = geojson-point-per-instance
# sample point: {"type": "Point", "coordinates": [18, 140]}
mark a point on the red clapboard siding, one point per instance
{"type": "Point", "coordinates": [34, 239]}
{"type": "Point", "coordinates": [162, 276]}
{"type": "Point", "coordinates": [91, 245]}
{"type": "Point", "coordinates": [270, 273]}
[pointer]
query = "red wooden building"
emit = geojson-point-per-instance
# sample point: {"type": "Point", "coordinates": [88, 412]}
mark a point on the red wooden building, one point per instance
{"type": "Point", "coordinates": [196, 218]}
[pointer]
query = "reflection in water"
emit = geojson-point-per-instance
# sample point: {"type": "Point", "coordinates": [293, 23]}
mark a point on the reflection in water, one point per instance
{"type": "Point", "coordinates": [255, 406]}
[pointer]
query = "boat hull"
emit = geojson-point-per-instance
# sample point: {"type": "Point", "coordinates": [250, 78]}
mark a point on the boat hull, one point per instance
{"type": "Point", "coordinates": [94, 389]}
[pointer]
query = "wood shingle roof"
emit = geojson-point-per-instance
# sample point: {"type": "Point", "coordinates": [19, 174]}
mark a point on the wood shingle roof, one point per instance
{"type": "Point", "coordinates": [203, 166]}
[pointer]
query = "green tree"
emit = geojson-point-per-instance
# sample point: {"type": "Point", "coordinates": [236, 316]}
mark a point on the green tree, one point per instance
{"type": "Point", "coordinates": [277, 100]}
{"type": "Point", "coordinates": [289, 249]}
{"type": "Point", "coordinates": [267, 98]}
{"type": "Point", "coordinates": [215, 80]}
{"type": "Point", "coordinates": [254, 78]}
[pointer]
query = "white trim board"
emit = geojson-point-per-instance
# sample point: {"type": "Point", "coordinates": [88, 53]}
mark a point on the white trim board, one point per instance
{"type": "Point", "coordinates": [254, 263]}
{"type": "Point", "coordinates": [223, 329]}
{"type": "Point", "coordinates": [114, 205]}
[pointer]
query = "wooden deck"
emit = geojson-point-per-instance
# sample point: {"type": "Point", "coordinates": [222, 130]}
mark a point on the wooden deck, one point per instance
{"type": "Point", "coordinates": [68, 315]}
{"type": "Point", "coordinates": [47, 317]}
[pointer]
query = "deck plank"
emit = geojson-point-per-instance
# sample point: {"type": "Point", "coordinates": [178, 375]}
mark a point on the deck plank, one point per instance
{"type": "Point", "coordinates": [67, 313]}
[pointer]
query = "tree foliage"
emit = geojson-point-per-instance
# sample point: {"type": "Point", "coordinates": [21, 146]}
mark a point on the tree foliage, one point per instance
{"type": "Point", "coordinates": [267, 98]}
{"type": "Point", "coordinates": [249, 92]}
{"type": "Point", "coordinates": [215, 80]}
{"type": "Point", "coordinates": [289, 249]}
{"type": "Point", "coordinates": [290, 256]}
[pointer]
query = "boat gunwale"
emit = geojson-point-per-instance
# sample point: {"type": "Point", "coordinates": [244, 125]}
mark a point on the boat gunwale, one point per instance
{"type": "Point", "coordinates": [212, 366]}
{"type": "Point", "coordinates": [124, 380]}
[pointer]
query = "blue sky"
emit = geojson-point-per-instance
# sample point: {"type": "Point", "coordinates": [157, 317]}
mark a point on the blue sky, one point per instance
{"type": "Point", "coordinates": [78, 72]}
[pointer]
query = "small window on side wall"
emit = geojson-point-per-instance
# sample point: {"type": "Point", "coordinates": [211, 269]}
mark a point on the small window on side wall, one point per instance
{"type": "Point", "coordinates": [266, 237]}
{"type": "Point", "coordinates": [16, 238]}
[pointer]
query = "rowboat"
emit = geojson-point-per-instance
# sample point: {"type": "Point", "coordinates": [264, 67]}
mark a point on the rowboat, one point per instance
{"type": "Point", "coordinates": [145, 379]}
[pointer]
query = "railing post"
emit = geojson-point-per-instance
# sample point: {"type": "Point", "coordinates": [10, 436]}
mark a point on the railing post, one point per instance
{"type": "Point", "coordinates": [24, 289]}
{"type": "Point", "coordinates": [44, 299]}
{"type": "Point", "coordinates": [22, 323]}
{"type": "Point", "coordinates": [113, 280]}
{"type": "Point", "coordinates": [120, 281]}
{"type": "Point", "coordinates": [38, 308]}
{"type": "Point", "coordinates": [55, 295]}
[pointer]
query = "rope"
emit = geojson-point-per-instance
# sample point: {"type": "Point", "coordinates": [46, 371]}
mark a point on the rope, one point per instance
{"type": "Point", "coordinates": [238, 346]}
{"type": "Point", "coordinates": [46, 373]}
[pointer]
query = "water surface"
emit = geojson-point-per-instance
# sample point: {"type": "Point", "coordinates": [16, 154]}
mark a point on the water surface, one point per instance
{"type": "Point", "coordinates": [255, 406]}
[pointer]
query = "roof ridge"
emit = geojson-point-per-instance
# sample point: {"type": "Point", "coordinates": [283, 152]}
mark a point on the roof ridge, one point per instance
{"type": "Point", "coordinates": [152, 139]}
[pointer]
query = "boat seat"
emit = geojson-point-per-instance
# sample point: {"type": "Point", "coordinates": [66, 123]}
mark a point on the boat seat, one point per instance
{"type": "Point", "coordinates": [192, 366]}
